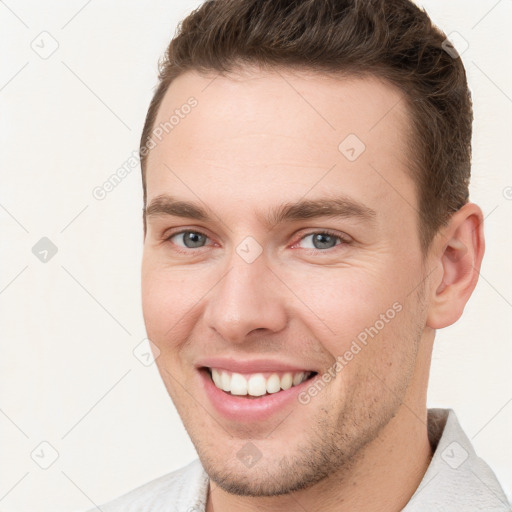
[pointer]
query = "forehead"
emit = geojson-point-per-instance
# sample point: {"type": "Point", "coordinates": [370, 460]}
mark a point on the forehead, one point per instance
{"type": "Point", "coordinates": [284, 101]}
{"type": "Point", "coordinates": [282, 131]}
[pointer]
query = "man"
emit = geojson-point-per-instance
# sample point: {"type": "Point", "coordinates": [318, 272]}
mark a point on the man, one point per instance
{"type": "Point", "coordinates": [307, 230]}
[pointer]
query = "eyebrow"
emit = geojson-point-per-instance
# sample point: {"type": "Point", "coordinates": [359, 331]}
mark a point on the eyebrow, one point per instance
{"type": "Point", "coordinates": [338, 207]}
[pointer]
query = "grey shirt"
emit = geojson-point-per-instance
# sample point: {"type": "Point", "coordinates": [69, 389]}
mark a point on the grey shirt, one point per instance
{"type": "Point", "coordinates": [456, 480]}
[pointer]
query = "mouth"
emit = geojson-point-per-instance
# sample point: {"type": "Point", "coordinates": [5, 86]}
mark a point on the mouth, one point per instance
{"type": "Point", "coordinates": [253, 391]}
{"type": "Point", "coordinates": [256, 385]}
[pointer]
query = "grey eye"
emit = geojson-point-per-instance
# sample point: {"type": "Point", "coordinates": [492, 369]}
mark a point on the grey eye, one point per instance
{"type": "Point", "coordinates": [191, 239]}
{"type": "Point", "coordinates": [321, 241]}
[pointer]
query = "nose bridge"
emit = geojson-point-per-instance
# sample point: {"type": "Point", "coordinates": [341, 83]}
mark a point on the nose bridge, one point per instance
{"type": "Point", "coordinates": [247, 298]}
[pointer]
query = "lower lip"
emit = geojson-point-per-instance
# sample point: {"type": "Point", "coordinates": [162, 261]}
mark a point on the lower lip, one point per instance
{"type": "Point", "coordinates": [243, 409]}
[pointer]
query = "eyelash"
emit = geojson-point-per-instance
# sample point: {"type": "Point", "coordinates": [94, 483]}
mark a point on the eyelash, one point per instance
{"type": "Point", "coordinates": [344, 240]}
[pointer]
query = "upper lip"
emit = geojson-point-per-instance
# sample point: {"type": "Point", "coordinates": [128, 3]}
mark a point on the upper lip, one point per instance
{"type": "Point", "coordinates": [250, 366]}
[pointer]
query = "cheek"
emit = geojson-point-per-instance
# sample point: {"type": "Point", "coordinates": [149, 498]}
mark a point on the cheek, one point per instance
{"type": "Point", "coordinates": [161, 305]}
{"type": "Point", "coordinates": [361, 316]}
{"type": "Point", "coordinates": [167, 317]}
{"type": "Point", "coordinates": [342, 302]}
{"type": "Point", "coordinates": [172, 300]}
{"type": "Point", "coordinates": [154, 301]}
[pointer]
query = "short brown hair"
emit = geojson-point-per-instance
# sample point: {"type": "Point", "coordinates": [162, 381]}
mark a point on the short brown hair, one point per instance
{"type": "Point", "coordinates": [390, 39]}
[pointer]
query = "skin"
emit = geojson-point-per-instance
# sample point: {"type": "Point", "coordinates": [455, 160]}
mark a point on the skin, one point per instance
{"type": "Point", "coordinates": [255, 140]}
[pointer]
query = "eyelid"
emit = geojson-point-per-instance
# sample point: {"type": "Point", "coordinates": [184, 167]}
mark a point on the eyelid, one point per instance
{"type": "Point", "coordinates": [343, 237]}
{"type": "Point", "coordinates": [168, 235]}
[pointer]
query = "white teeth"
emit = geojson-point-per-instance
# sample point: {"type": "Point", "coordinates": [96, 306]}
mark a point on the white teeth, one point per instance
{"type": "Point", "coordinates": [286, 381]}
{"type": "Point", "coordinates": [298, 378]}
{"type": "Point", "coordinates": [225, 381]}
{"type": "Point", "coordinates": [238, 384]}
{"type": "Point", "coordinates": [273, 383]}
{"type": "Point", "coordinates": [216, 377]}
{"type": "Point", "coordinates": [256, 384]}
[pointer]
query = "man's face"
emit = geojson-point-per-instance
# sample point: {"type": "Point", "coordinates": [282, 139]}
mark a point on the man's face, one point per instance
{"type": "Point", "coordinates": [251, 292]}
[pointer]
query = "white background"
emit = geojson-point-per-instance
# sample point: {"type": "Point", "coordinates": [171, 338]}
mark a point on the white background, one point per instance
{"type": "Point", "coordinates": [69, 326]}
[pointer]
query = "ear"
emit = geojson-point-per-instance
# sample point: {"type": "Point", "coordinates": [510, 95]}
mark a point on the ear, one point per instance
{"type": "Point", "coordinates": [458, 250]}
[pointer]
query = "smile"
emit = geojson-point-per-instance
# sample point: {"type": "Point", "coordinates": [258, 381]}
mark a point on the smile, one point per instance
{"type": "Point", "coordinates": [250, 391]}
{"type": "Point", "coordinates": [256, 384]}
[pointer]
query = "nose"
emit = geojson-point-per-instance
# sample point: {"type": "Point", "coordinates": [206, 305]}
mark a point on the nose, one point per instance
{"type": "Point", "coordinates": [248, 298]}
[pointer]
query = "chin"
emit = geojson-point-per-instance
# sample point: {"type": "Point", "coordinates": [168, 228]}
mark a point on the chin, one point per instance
{"type": "Point", "coordinates": [261, 482]}
{"type": "Point", "coordinates": [269, 473]}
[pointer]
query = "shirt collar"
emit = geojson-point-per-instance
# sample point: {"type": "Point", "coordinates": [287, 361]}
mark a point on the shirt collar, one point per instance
{"type": "Point", "coordinates": [456, 479]}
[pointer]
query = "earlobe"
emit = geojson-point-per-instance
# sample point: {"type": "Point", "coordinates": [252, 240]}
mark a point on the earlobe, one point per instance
{"type": "Point", "coordinates": [460, 253]}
